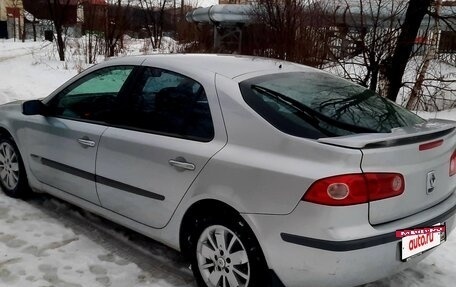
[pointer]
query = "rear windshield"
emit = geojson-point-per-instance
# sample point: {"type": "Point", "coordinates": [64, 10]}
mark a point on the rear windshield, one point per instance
{"type": "Point", "coordinates": [316, 104]}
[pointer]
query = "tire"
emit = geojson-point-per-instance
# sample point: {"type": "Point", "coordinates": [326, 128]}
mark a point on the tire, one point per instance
{"type": "Point", "coordinates": [226, 250]}
{"type": "Point", "coordinates": [13, 178]}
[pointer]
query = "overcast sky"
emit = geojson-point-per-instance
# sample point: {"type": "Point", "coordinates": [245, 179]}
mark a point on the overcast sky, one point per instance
{"type": "Point", "coordinates": [205, 3]}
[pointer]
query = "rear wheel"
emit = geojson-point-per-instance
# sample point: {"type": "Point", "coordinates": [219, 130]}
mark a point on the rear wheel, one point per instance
{"type": "Point", "coordinates": [13, 179]}
{"type": "Point", "coordinates": [226, 254]}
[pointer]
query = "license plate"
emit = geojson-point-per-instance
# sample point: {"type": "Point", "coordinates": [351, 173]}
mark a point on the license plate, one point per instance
{"type": "Point", "coordinates": [414, 245]}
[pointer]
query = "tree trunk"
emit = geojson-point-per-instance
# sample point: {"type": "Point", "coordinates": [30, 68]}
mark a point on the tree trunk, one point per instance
{"type": "Point", "coordinates": [90, 47]}
{"type": "Point", "coordinates": [34, 29]}
{"type": "Point", "coordinates": [429, 56]}
{"type": "Point", "coordinates": [24, 31]}
{"type": "Point", "coordinates": [374, 78]}
{"type": "Point", "coordinates": [416, 11]}
{"type": "Point", "coordinates": [57, 13]}
{"type": "Point", "coordinates": [60, 42]}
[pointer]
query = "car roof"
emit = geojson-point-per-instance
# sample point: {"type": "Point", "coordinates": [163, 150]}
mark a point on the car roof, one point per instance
{"type": "Point", "coordinates": [230, 66]}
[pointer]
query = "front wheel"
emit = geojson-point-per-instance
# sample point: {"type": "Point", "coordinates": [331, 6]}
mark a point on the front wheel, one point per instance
{"type": "Point", "coordinates": [13, 179]}
{"type": "Point", "coordinates": [227, 254]}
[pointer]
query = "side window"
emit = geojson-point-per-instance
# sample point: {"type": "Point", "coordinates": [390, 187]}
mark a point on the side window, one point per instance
{"type": "Point", "coordinates": [93, 97]}
{"type": "Point", "coordinates": [170, 104]}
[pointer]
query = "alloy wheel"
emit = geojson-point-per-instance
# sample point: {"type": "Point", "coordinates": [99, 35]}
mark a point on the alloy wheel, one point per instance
{"type": "Point", "coordinates": [9, 166]}
{"type": "Point", "coordinates": [222, 258]}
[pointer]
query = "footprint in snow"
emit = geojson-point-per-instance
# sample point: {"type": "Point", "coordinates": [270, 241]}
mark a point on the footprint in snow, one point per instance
{"type": "Point", "coordinates": [50, 275]}
{"type": "Point", "coordinates": [97, 270]}
{"type": "Point", "coordinates": [11, 241]}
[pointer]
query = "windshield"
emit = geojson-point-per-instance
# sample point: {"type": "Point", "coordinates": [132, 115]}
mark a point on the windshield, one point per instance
{"type": "Point", "coordinates": [316, 104]}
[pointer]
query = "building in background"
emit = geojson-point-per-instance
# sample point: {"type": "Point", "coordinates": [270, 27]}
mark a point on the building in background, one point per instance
{"type": "Point", "coordinates": [11, 19]}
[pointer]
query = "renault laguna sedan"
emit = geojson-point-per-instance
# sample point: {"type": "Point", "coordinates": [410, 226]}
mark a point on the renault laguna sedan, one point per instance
{"type": "Point", "coordinates": [261, 172]}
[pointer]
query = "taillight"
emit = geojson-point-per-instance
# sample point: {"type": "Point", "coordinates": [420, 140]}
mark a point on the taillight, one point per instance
{"type": "Point", "coordinates": [351, 189]}
{"type": "Point", "coordinates": [453, 164]}
{"type": "Point", "coordinates": [384, 185]}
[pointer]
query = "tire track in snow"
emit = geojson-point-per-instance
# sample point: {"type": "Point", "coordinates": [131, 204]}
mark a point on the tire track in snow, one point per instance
{"type": "Point", "coordinates": [3, 59]}
{"type": "Point", "coordinates": [28, 51]}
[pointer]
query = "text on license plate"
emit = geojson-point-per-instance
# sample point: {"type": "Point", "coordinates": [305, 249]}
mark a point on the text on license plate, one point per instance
{"type": "Point", "coordinates": [420, 242]}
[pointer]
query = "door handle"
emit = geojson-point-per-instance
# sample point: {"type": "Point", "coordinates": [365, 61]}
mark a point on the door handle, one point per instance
{"type": "Point", "coordinates": [85, 141]}
{"type": "Point", "coordinates": [181, 163]}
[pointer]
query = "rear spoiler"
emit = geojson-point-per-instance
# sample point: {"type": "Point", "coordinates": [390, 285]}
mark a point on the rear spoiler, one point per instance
{"type": "Point", "coordinates": [429, 130]}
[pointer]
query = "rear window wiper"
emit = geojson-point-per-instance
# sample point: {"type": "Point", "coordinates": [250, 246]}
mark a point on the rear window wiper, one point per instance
{"type": "Point", "coordinates": [313, 115]}
{"type": "Point", "coordinates": [312, 119]}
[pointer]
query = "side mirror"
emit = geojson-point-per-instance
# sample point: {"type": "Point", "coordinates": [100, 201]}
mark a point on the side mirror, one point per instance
{"type": "Point", "coordinates": [33, 107]}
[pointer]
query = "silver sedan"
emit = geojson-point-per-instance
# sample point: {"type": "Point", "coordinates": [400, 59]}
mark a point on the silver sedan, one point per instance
{"type": "Point", "coordinates": [261, 172]}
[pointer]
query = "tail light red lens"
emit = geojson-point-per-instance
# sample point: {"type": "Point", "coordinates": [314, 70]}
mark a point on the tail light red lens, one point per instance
{"type": "Point", "coordinates": [384, 185]}
{"type": "Point", "coordinates": [351, 189]}
{"type": "Point", "coordinates": [321, 191]}
{"type": "Point", "coordinates": [453, 164]}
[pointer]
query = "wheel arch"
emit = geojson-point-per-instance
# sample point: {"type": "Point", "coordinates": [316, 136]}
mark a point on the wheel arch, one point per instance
{"type": "Point", "coordinates": [4, 131]}
{"type": "Point", "coordinates": [206, 207]}
{"type": "Point", "coordinates": [23, 189]}
{"type": "Point", "coordinates": [215, 207]}
{"type": "Point", "coordinates": [8, 130]}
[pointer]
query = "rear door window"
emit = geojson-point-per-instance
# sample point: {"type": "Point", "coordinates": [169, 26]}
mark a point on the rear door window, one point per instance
{"type": "Point", "coordinates": [316, 104]}
{"type": "Point", "coordinates": [169, 103]}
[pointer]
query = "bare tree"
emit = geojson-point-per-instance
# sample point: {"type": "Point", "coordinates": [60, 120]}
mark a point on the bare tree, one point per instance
{"type": "Point", "coordinates": [430, 54]}
{"type": "Point", "coordinates": [437, 88]}
{"type": "Point", "coordinates": [372, 42]}
{"type": "Point", "coordinates": [187, 33]}
{"type": "Point", "coordinates": [282, 18]}
{"type": "Point", "coordinates": [59, 11]}
{"type": "Point", "coordinates": [93, 27]}
{"type": "Point", "coordinates": [369, 35]}
{"type": "Point", "coordinates": [118, 16]}
{"type": "Point", "coordinates": [154, 13]}
{"type": "Point", "coordinates": [364, 36]}
{"type": "Point", "coordinates": [397, 63]}
{"type": "Point", "coordinates": [288, 30]}
{"type": "Point", "coordinates": [29, 15]}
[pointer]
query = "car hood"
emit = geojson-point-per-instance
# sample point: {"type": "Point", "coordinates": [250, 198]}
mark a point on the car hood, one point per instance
{"type": "Point", "coordinates": [8, 109]}
{"type": "Point", "coordinates": [13, 103]}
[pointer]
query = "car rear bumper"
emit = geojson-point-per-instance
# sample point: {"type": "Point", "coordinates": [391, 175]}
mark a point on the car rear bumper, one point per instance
{"type": "Point", "coordinates": [316, 246]}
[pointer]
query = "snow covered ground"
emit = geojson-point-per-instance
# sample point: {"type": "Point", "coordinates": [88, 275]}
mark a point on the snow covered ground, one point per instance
{"type": "Point", "coordinates": [46, 242]}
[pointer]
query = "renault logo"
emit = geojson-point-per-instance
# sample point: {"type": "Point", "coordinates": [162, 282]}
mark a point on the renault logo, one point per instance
{"type": "Point", "coordinates": [431, 179]}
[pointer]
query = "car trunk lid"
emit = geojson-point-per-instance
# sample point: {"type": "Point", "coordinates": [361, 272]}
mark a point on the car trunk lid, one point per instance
{"type": "Point", "coordinates": [420, 153]}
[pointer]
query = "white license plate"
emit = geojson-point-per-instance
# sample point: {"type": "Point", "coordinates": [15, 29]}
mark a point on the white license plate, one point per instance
{"type": "Point", "coordinates": [416, 244]}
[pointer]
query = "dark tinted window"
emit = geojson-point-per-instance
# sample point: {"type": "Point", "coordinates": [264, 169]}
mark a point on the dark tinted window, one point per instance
{"type": "Point", "coordinates": [94, 97]}
{"type": "Point", "coordinates": [171, 104]}
{"type": "Point", "coordinates": [316, 104]}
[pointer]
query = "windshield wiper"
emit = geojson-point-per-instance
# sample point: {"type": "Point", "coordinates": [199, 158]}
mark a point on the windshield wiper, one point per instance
{"type": "Point", "coordinates": [312, 115]}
